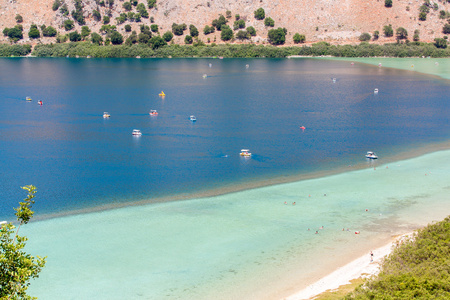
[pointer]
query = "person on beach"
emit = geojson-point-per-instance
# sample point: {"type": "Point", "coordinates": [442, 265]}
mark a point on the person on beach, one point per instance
{"type": "Point", "coordinates": [371, 256]}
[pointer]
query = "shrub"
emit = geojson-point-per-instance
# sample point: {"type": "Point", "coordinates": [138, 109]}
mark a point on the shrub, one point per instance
{"type": "Point", "coordinates": [15, 33]}
{"type": "Point", "coordinates": [237, 17]}
{"type": "Point", "coordinates": [401, 33]}
{"type": "Point", "coordinates": [269, 22]}
{"type": "Point", "coordinates": [422, 16]}
{"type": "Point", "coordinates": [242, 35]}
{"type": "Point", "coordinates": [106, 20]}
{"type": "Point", "coordinates": [376, 35]}
{"type": "Point", "coordinates": [154, 27]}
{"type": "Point", "coordinates": [167, 36]}
{"type": "Point", "coordinates": [143, 38]}
{"type": "Point", "coordinates": [56, 5]}
{"type": "Point", "coordinates": [388, 31]}
{"type": "Point", "coordinates": [188, 39]}
{"type": "Point", "coordinates": [227, 33]}
{"type": "Point", "coordinates": [116, 38]}
{"type": "Point", "coordinates": [85, 31]}
{"type": "Point", "coordinates": [157, 42]}
{"type": "Point", "coordinates": [193, 30]}
{"type": "Point", "coordinates": [218, 23]}
{"type": "Point", "coordinates": [238, 24]}
{"type": "Point", "coordinates": [416, 35]}
{"type": "Point", "coordinates": [364, 37]}
{"type": "Point", "coordinates": [446, 29]}
{"type": "Point", "coordinates": [96, 38]}
{"type": "Point", "coordinates": [228, 14]}
{"type": "Point", "coordinates": [277, 36]}
{"type": "Point", "coordinates": [178, 29]}
{"type": "Point", "coordinates": [207, 30]}
{"type": "Point", "coordinates": [96, 15]}
{"type": "Point", "coordinates": [299, 38]}
{"type": "Point", "coordinates": [251, 30]}
{"type": "Point", "coordinates": [151, 3]}
{"type": "Point", "coordinates": [74, 36]}
{"type": "Point", "coordinates": [49, 31]}
{"type": "Point", "coordinates": [127, 6]}
{"type": "Point", "coordinates": [260, 14]}
{"type": "Point", "coordinates": [128, 28]}
{"type": "Point", "coordinates": [64, 10]}
{"type": "Point", "coordinates": [34, 32]}
{"type": "Point", "coordinates": [19, 18]}
{"type": "Point", "coordinates": [388, 3]}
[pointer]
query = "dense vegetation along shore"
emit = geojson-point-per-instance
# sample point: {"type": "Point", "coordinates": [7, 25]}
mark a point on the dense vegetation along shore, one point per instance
{"type": "Point", "coordinates": [87, 49]}
{"type": "Point", "coordinates": [416, 269]}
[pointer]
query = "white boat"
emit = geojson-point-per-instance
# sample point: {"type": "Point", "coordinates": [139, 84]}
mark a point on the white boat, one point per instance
{"type": "Point", "coordinates": [193, 118]}
{"type": "Point", "coordinates": [136, 132]}
{"type": "Point", "coordinates": [28, 98]}
{"type": "Point", "coordinates": [371, 155]}
{"type": "Point", "coordinates": [106, 115]}
{"type": "Point", "coordinates": [153, 112]}
{"type": "Point", "coordinates": [205, 75]}
{"type": "Point", "coordinates": [245, 152]}
{"type": "Point", "coordinates": [334, 80]}
{"type": "Point", "coordinates": [375, 91]}
{"type": "Point", "coordinates": [247, 66]}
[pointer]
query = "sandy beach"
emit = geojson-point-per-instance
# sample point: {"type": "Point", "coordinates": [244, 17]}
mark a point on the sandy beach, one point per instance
{"type": "Point", "coordinates": [363, 266]}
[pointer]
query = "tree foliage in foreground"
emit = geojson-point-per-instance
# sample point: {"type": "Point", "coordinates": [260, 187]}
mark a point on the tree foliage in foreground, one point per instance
{"type": "Point", "coordinates": [16, 266]}
{"type": "Point", "coordinates": [417, 269]}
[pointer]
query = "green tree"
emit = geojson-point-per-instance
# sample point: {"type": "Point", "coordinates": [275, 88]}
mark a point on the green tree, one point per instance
{"type": "Point", "coordinates": [64, 10]}
{"type": "Point", "coordinates": [106, 20]}
{"type": "Point", "coordinates": [207, 30]}
{"type": "Point", "coordinates": [151, 3]}
{"type": "Point", "coordinates": [388, 31]}
{"type": "Point", "coordinates": [143, 38]}
{"type": "Point", "coordinates": [388, 3]}
{"type": "Point", "coordinates": [251, 30]}
{"type": "Point", "coordinates": [440, 43]}
{"type": "Point", "coordinates": [298, 38]}
{"type": "Point", "coordinates": [19, 18]}
{"type": "Point", "coordinates": [178, 29]}
{"type": "Point", "coordinates": [376, 35]}
{"type": "Point", "coordinates": [260, 14]}
{"type": "Point", "coordinates": [56, 5]}
{"type": "Point", "coordinates": [227, 33]}
{"type": "Point", "coordinates": [364, 37]}
{"type": "Point", "coordinates": [242, 35]}
{"type": "Point", "coordinates": [401, 33]}
{"type": "Point", "coordinates": [85, 31]}
{"type": "Point", "coordinates": [228, 14]}
{"type": "Point", "coordinates": [74, 36]}
{"type": "Point", "coordinates": [167, 36]}
{"type": "Point", "coordinates": [96, 14]}
{"type": "Point", "coordinates": [239, 24]}
{"type": "Point", "coordinates": [277, 36]}
{"type": "Point", "coordinates": [193, 30]}
{"type": "Point", "coordinates": [34, 32]}
{"type": "Point", "coordinates": [269, 22]}
{"type": "Point", "coordinates": [188, 39]}
{"type": "Point", "coordinates": [157, 42]}
{"type": "Point", "coordinates": [142, 10]}
{"type": "Point", "coordinates": [96, 38]}
{"type": "Point", "coordinates": [416, 35]}
{"type": "Point", "coordinates": [18, 267]}
{"type": "Point", "coordinates": [49, 31]}
{"type": "Point", "coordinates": [127, 6]}
{"type": "Point", "coordinates": [116, 38]}
{"type": "Point", "coordinates": [154, 28]}
{"type": "Point", "coordinates": [218, 23]}
{"type": "Point", "coordinates": [422, 16]}
{"type": "Point", "coordinates": [446, 28]}
{"type": "Point", "coordinates": [127, 28]}
{"type": "Point", "coordinates": [68, 25]}
{"type": "Point", "coordinates": [15, 33]}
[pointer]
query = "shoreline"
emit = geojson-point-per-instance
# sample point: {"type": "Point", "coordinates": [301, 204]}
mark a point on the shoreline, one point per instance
{"type": "Point", "coordinates": [361, 267]}
{"type": "Point", "coordinates": [235, 188]}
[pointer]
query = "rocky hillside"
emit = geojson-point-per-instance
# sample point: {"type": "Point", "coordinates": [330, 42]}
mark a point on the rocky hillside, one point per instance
{"type": "Point", "coordinates": [337, 22]}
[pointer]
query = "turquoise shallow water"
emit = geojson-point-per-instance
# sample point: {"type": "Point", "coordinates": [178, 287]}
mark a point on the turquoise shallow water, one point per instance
{"type": "Point", "coordinates": [244, 245]}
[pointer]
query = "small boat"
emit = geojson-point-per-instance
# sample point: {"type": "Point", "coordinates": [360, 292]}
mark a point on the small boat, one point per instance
{"type": "Point", "coordinates": [375, 91]}
{"type": "Point", "coordinates": [247, 66]}
{"type": "Point", "coordinates": [40, 102]}
{"type": "Point", "coordinates": [210, 65]}
{"type": "Point", "coordinates": [136, 132]}
{"type": "Point", "coordinates": [28, 98]}
{"type": "Point", "coordinates": [153, 112]}
{"type": "Point", "coordinates": [245, 152]}
{"type": "Point", "coordinates": [334, 80]}
{"type": "Point", "coordinates": [302, 127]}
{"type": "Point", "coordinates": [162, 94]}
{"type": "Point", "coordinates": [204, 75]}
{"type": "Point", "coordinates": [106, 115]}
{"type": "Point", "coordinates": [220, 57]}
{"type": "Point", "coordinates": [193, 118]}
{"type": "Point", "coordinates": [371, 155]}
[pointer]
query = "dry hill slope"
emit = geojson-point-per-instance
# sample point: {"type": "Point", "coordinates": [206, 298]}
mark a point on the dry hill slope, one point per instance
{"type": "Point", "coordinates": [338, 22]}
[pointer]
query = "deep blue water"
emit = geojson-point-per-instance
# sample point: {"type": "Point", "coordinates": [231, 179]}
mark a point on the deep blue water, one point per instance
{"type": "Point", "coordinates": [78, 160]}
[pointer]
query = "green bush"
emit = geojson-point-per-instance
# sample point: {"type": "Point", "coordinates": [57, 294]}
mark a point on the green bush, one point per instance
{"type": "Point", "coordinates": [193, 30]}
{"type": "Point", "coordinates": [388, 3]}
{"type": "Point", "coordinates": [96, 15]}
{"type": "Point", "coordinates": [151, 3]}
{"type": "Point", "coordinates": [446, 28]}
{"type": "Point", "coordinates": [401, 33]}
{"type": "Point", "coordinates": [269, 22]}
{"type": "Point", "coordinates": [96, 38]}
{"type": "Point", "coordinates": [260, 14]}
{"type": "Point", "coordinates": [388, 31]}
{"type": "Point", "coordinates": [154, 27]}
{"type": "Point", "coordinates": [218, 23]}
{"type": "Point", "coordinates": [251, 30]}
{"type": "Point", "coordinates": [422, 16]}
{"type": "Point", "coordinates": [19, 18]}
{"type": "Point", "coordinates": [227, 33]}
{"type": "Point", "coordinates": [243, 35]}
{"type": "Point", "coordinates": [34, 32]}
{"type": "Point", "coordinates": [7, 50]}
{"type": "Point", "coordinates": [167, 36]}
{"type": "Point", "coordinates": [49, 31]}
{"type": "Point", "coordinates": [116, 38]}
{"type": "Point", "coordinates": [106, 20]}
{"type": "Point", "coordinates": [277, 36]}
{"type": "Point", "coordinates": [74, 36]}
{"type": "Point", "coordinates": [56, 5]}
{"type": "Point", "coordinates": [127, 6]}
{"type": "Point", "coordinates": [188, 39]}
{"type": "Point", "coordinates": [68, 25]}
{"type": "Point", "coordinates": [298, 38]}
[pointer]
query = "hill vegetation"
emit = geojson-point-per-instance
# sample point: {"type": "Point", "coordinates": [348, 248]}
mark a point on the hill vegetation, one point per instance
{"type": "Point", "coordinates": [417, 269]}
